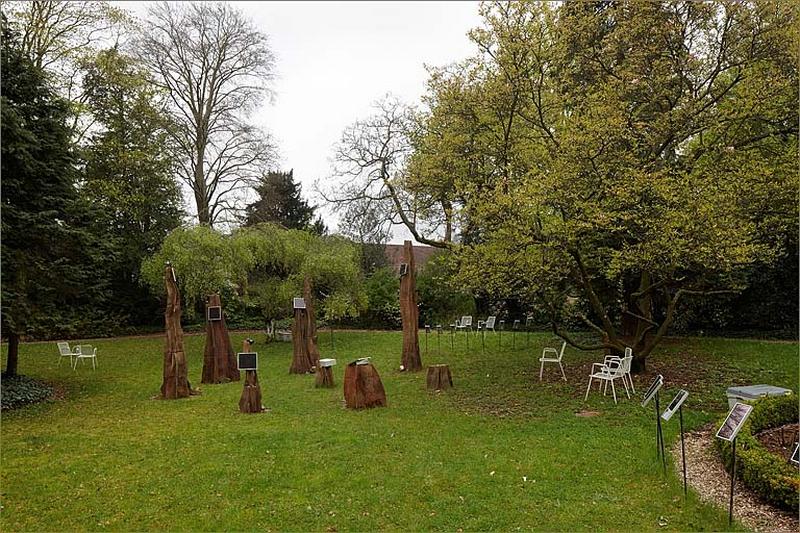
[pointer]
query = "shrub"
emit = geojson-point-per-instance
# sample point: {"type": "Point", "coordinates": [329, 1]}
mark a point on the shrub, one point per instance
{"type": "Point", "coordinates": [768, 475]}
{"type": "Point", "coordinates": [21, 390]}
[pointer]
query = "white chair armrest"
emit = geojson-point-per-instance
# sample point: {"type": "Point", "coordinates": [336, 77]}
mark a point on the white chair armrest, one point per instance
{"type": "Point", "coordinates": [547, 350]}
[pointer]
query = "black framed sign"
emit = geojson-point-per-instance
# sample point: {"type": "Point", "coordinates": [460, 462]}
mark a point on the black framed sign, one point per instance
{"type": "Point", "coordinates": [734, 421]}
{"type": "Point", "coordinates": [299, 303]}
{"type": "Point", "coordinates": [214, 313]}
{"type": "Point", "coordinates": [654, 386]}
{"type": "Point", "coordinates": [247, 360]}
{"type": "Point", "coordinates": [795, 458]}
{"type": "Point", "coordinates": [403, 269]}
{"type": "Point", "coordinates": [675, 404]}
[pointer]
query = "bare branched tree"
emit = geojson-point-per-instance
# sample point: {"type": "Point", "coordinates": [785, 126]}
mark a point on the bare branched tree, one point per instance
{"type": "Point", "coordinates": [369, 172]}
{"type": "Point", "coordinates": [215, 66]}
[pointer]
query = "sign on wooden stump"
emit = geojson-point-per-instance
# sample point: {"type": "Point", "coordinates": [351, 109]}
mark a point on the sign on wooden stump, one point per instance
{"type": "Point", "coordinates": [213, 313]}
{"type": "Point", "coordinates": [299, 303]}
{"type": "Point", "coordinates": [247, 360]}
{"type": "Point", "coordinates": [795, 457]}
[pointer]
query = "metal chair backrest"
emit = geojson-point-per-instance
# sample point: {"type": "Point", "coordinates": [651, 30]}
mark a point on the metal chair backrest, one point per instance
{"type": "Point", "coordinates": [63, 348]}
{"type": "Point", "coordinates": [86, 349]}
{"type": "Point", "coordinates": [626, 362]}
{"type": "Point", "coordinates": [466, 320]}
{"type": "Point", "coordinates": [490, 322]}
{"type": "Point", "coordinates": [561, 353]}
{"type": "Point", "coordinates": [628, 351]}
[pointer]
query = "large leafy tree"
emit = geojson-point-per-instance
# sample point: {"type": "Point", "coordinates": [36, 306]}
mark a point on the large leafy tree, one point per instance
{"type": "Point", "coordinates": [49, 259]}
{"type": "Point", "coordinates": [610, 161]}
{"type": "Point", "coordinates": [127, 172]}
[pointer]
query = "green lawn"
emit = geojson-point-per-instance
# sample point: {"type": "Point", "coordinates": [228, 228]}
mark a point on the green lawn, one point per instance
{"type": "Point", "coordinates": [500, 451]}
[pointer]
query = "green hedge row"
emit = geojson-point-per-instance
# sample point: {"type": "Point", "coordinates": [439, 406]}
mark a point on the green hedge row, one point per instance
{"type": "Point", "coordinates": [771, 477]}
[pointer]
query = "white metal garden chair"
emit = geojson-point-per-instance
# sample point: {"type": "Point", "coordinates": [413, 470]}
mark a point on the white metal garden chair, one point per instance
{"type": "Point", "coordinates": [554, 358]}
{"type": "Point", "coordinates": [489, 324]}
{"type": "Point", "coordinates": [465, 323]}
{"type": "Point", "coordinates": [85, 351]}
{"type": "Point", "coordinates": [609, 370]}
{"type": "Point", "coordinates": [627, 360]}
{"type": "Point", "coordinates": [65, 351]}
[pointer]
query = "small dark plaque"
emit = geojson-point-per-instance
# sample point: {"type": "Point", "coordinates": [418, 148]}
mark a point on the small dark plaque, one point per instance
{"type": "Point", "coordinates": [734, 421]}
{"type": "Point", "coordinates": [214, 313]}
{"type": "Point", "coordinates": [795, 458]}
{"type": "Point", "coordinates": [657, 383]}
{"type": "Point", "coordinates": [299, 303]}
{"type": "Point", "coordinates": [403, 269]}
{"type": "Point", "coordinates": [675, 404]}
{"type": "Point", "coordinates": [247, 360]}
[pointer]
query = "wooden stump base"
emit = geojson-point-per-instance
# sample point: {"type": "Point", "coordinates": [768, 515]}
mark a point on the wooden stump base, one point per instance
{"type": "Point", "coordinates": [363, 387]}
{"type": "Point", "coordinates": [324, 377]}
{"type": "Point", "coordinates": [439, 377]}
{"type": "Point", "coordinates": [250, 402]}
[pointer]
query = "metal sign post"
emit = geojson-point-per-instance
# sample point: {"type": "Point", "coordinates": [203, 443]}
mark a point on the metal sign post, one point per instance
{"type": "Point", "coordinates": [660, 436]}
{"type": "Point", "coordinates": [677, 405]}
{"type": "Point", "coordinates": [500, 336]}
{"type": "Point", "coordinates": [483, 338]}
{"type": "Point", "coordinates": [427, 332]}
{"type": "Point", "coordinates": [439, 337]}
{"type": "Point", "coordinates": [452, 337]}
{"type": "Point", "coordinates": [683, 453]}
{"type": "Point", "coordinates": [733, 481]}
{"type": "Point", "coordinates": [728, 431]}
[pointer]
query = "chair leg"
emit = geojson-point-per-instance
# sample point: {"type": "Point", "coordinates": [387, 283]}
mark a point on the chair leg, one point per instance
{"type": "Point", "coordinates": [563, 375]}
{"type": "Point", "coordinates": [605, 387]}
{"type": "Point", "coordinates": [613, 391]}
{"type": "Point", "coordinates": [587, 389]}
{"type": "Point", "coordinates": [94, 366]}
{"type": "Point", "coordinates": [625, 383]}
{"type": "Point", "coordinates": [541, 371]}
{"type": "Point", "coordinates": [630, 380]}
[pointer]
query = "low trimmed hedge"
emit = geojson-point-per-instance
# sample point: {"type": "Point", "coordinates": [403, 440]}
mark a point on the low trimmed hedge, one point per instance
{"type": "Point", "coordinates": [20, 390]}
{"type": "Point", "coordinates": [771, 477]}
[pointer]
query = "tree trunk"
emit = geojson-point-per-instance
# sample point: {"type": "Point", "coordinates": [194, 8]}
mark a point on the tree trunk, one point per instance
{"type": "Point", "coordinates": [305, 355]}
{"type": "Point", "coordinates": [637, 324]}
{"type": "Point", "coordinates": [439, 377]}
{"type": "Point", "coordinates": [219, 361]}
{"type": "Point", "coordinates": [250, 402]}
{"type": "Point", "coordinates": [325, 377]}
{"type": "Point", "coordinates": [175, 382]}
{"type": "Point", "coordinates": [363, 387]}
{"type": "Point", "coordinates": [13, 355]}
{"type": "Point", "coordinates": [409, 312]}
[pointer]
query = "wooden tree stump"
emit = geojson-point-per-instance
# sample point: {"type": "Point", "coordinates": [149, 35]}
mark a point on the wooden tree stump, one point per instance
{"type": "Point", "coordinates": [363, 387]}
{"type": "Point", "coordinates": [325, 373]}
{"type": "Point", "coordinates": [175, 382]}
{"type": "Point", "coordinates": [439, 377]}
{"type": "Point", "coordinates": [219, 361]}
{"type": "Point", "coordinates": [305, 356]}
{"type": "Point", "coordinates": [250, 402]}
{"type": "Point", "coordinates": [409, 312]}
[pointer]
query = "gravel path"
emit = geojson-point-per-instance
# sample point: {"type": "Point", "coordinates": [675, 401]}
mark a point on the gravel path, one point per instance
{"type": "Point", "coordinates": [707, 476]}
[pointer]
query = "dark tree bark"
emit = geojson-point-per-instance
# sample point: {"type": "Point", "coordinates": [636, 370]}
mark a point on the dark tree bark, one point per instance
{"type": "Point", "coordinates": [250, 402]}
{"type": "Point", "coordinates": [325, 377]}
{"type": "Point", "coordinates": [363, 387]}
{"type": "Point", "coordinates": [219, 361]}
{"type": "Point", "coordinates": [13, 355]}
{"type": "Point", "coordinates": [439, 377]}
{"type": "Point", "coordinates": [305, 356]}
{"type": "Point", "coordinates": [175, 382]}
{"type": "Point", "coordinates": [409, 312]}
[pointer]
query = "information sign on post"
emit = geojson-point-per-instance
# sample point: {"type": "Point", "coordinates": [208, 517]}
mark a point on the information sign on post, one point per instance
{"type": "Point", "coordinates": [403, 269]}
{"type": "Point", "coordinates": [247, 360]}
{"type": "Point", "coordinates": [654, 387]}
{"type": "Point", "coordinates": [728, 430]}
{"type": "Point", "coordinates": [650, 394]}
{"type": "Point", "coordinates": [214, 313]}
{"type": "Point", "coordinates": [299, 303]}
{"type": "Point", "coordinates": [677, 405]}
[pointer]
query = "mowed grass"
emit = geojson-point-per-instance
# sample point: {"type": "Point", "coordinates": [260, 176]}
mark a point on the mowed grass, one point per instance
{"type": "Point", "coordinates": [500, 451]}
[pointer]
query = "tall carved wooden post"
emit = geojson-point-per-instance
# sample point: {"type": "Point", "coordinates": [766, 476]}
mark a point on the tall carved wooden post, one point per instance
{"type": "Point", "coordinates": [409, 312]}
{"type": "Point", "coordinates": [219, 361]}
{"type": "Point", "coordinates": [176, 381]}
{"type": "Point", "coordinates": [250, 401]}
{"type": "Point", "coordinates": [304, 335]}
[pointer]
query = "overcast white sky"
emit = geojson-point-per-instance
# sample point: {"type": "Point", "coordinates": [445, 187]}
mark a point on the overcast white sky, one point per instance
{"type": "Point", "coordinates": [335, 58]}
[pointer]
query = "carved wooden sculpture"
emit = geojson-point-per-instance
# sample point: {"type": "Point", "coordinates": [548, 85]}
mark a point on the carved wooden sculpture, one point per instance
{"type": "Point", "coordinates": [219, 361]}
{"type": "Point", "coordinates": [175, 382]}
{"type": "Point", "coordinates": [363, 386]}
{"type": "Point", "coordinates": [305, 355]}
{"type": "Point", "coordinates": [409, 312]}
{"type": "Point", "coordinates": [250, 402]}
{"type": "Point", "coordinates": [439, 377]}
